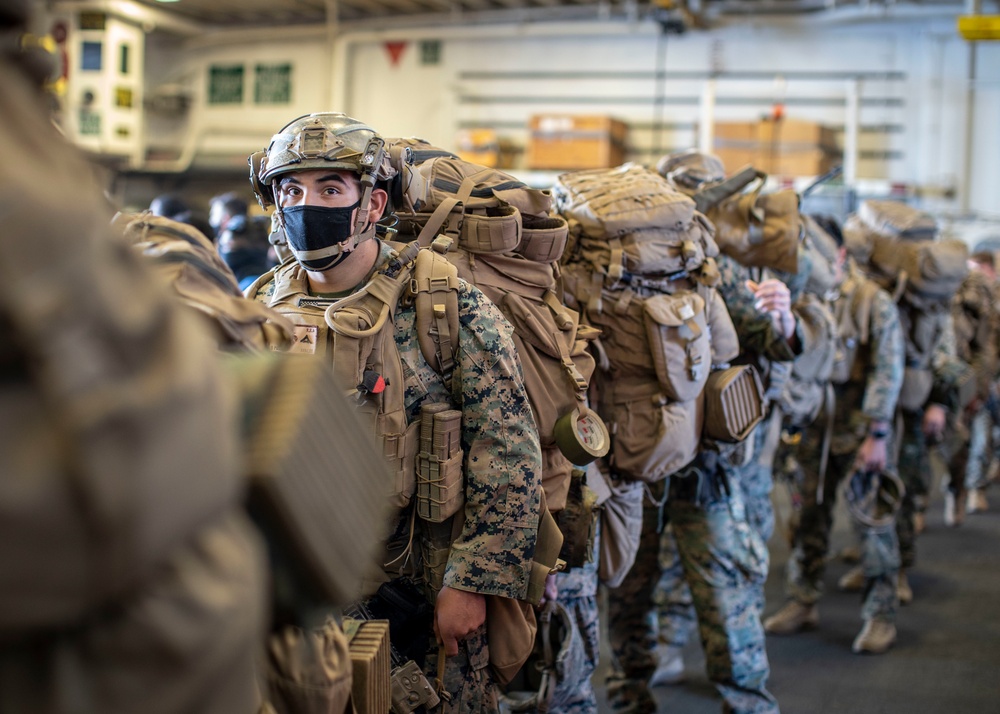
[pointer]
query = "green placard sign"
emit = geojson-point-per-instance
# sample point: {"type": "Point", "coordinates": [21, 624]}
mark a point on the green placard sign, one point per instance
{"type": "Point", "coordinates": [430, 52]}
{"type": "Point", "coordinates": [225, 84]}
{"type": "Point", "coordinates": [273, 84]}
{"type": "Point", "coordinates": [90, 123]}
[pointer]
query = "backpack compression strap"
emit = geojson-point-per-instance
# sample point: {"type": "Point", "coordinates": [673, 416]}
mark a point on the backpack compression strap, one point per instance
{"type": "Point", "coordinates": [434, 286]}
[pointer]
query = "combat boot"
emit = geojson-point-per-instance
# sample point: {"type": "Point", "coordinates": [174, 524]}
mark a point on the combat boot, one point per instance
{"type": "Point", "coordinates": [851, 554]}
{"type": "Point", "coordinates": [875, 637]}
{"type": "Point", "coordinates": [953, 512]}
{"type": "Point", "coordinates": [853, 580]}
{"type": "Point", "coordinates": [670, 669]}
{"type": "Point", "coordinates": [976, 501]}
{"type": "Point", "coordinates": [903, 590]}
{"type": "Point", "coordinates": [793, 617]}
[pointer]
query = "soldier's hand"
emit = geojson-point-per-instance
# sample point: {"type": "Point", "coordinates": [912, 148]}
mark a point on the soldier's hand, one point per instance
{"type": "Point", "coordinates": [551, 591]}
{"type": "Point", "coordinates": [773, 297]}
{"type": "Point", "coordinates": [871, 455]}
{"type": "Point", "coordinates": [457, 614]}
{"type": "Point", "coordinates": [935, 417]}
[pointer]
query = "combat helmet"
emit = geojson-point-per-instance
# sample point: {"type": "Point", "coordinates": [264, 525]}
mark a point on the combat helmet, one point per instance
{"type": "Point", "coordinates": [690, 170]}
{"type": "Point", "coordinates": [324, 140]}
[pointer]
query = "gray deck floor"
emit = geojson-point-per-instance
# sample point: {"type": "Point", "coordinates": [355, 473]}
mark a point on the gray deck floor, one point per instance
{"type": "Point", "coordinates": [947, 655]}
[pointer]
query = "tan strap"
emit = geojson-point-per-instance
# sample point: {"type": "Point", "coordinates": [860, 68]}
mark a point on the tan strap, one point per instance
{"type": "Point", "coordinates": [594, 304]}
{"type": "Point", "coordinates": [616, 265]}
{"type": "Point", "coordinates": [562, 313]}
{"type": "Point", "coordinates": [830, 402]}
{"type": "Point", "coordinates": [450, 210]}
{"type": "Point", "coordinates": [434, 286]}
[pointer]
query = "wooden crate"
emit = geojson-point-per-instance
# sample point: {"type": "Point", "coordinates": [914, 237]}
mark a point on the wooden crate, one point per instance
{"type": "Point", "coordinates": [484, 147]}
{"type": "Point", "coordinates": [567, 142]}
{"type": "Point", "coordinates": [783, 147]}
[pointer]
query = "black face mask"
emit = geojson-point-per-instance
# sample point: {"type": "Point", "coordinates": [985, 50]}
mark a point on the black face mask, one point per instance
{"type": "Point", "coordinates": [318, 228]}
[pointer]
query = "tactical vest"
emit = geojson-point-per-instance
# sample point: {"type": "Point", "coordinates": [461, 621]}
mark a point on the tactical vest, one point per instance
{"type": "Point", "coordinates": [355, 337]}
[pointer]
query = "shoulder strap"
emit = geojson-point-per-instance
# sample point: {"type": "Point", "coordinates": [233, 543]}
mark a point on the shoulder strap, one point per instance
{"type": "Point", "coordinates": [434, 287]}
{"type": "Point", "coordinates": [864, 298]}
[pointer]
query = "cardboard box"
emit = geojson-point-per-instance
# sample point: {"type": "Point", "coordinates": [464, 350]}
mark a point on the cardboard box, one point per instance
{"type": "Point", "coordinates": [564, 142]}
{"type": "Point", "coordinates": [484, 147]}
{"type": "Point", "coordinates": [783, 147]}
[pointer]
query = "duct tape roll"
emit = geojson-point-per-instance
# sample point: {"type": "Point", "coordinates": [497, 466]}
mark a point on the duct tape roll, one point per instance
{"type": "Point", "coordinates": [582, 436]}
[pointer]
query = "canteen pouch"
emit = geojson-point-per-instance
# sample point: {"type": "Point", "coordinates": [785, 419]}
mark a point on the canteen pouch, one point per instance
{"type": "Point", "coordinates": [653, 437]}
{"type": "Point", "coordinates": [677, 332]}
{"type": "Point", "coordinates": [734, 403]}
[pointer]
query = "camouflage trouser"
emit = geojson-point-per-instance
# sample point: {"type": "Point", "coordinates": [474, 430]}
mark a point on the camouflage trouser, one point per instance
{"type": "Point", "coordinates": [979, 452]}
{"type": "Point", "coordinates": [578, 594]}
{"type": "Point", "coordinates": [468, 677]}
{"type": "Point", "coordinates": [914, 467]}
{"type": "Point", "coordinates": [811, 537]}
{"type": "Point", "coordinates": [675, 610]}
{"type": "Point", "coordinates": [724, 564]}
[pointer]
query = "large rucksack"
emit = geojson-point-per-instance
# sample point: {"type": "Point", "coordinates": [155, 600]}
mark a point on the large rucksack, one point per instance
{"type": "Point", "coordinates": [805, 390]}
{"type": "Point", "coordinates": [640, 268]}
{"type": "Point", "coordinates": [921, 271]}
{"type": "Point", "coordinates": [756, 229]}
{"type": "Point", "coordinates": [481, 209]}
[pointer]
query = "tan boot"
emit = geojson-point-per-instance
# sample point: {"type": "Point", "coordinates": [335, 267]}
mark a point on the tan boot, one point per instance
{"type": "Point", "coordinates": [954, 514]}
{"type": "Point", "coordinates": [669, 667]}
{"type": "Point", "coordinates": [903, 590]}
{"type": "Point", "coordinates": [875, 637]}
{"type": "Point", "coordinates": [919, 522]}
{"type": "Point", "coordinates": [793, 617]}
{"type": "Point", "coordinates": [853, 580]}
{"type": "Point", "coordinates": [976, 502]}
{"type": "Point", "coordinates": [851, 554]}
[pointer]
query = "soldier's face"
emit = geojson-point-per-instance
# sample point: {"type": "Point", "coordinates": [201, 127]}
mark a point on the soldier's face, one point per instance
{"type": "Point", "coordinates": [328, 189]}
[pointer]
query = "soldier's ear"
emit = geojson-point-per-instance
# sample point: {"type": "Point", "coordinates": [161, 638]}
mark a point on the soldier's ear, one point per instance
{"type": "Point", "coordinates": [377, 204]}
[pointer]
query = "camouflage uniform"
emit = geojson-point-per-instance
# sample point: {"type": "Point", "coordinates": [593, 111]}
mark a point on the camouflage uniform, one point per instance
{"type": "Point", "coordinates": [578, 594]}
{"type": "Point", "coordinates": [493, 553]}
{"type": "Point", "coordinates": [914, 461]}
{"type": "Point", "coordinates": [975, 322]}
{"type": "Point", "coordinates": [870, 395]}
{"type": "Point", "coordinates": [714, 515]}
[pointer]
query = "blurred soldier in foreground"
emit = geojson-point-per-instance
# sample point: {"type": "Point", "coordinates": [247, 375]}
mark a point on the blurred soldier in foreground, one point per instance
{"type": "Point", "coordinates": [131, 580]}
{"type": "Point", "coordinates": [433, 367]}
{"type": "Point", "coordinates": [867, 375]}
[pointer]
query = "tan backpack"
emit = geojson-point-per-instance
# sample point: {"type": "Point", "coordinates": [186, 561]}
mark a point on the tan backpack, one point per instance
{"type": "Point", "coordinates": [852, 312]}
{"type": "Point", "coordinates": [663, 327]}
{"type": "Point", "coordinates": [482, 209]}
{"type": "Point", "coordinates": [629, 221]}
{"type": "Point", "coordinates": [805, 390]}
{"type": "Point", "coordinates": [922, 272]}
{"type": "Point", "coordinates": [759, 230]}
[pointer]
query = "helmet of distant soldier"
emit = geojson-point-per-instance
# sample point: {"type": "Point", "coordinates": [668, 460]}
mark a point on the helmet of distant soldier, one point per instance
{"type": "Point", "coordinates": [691, 169]}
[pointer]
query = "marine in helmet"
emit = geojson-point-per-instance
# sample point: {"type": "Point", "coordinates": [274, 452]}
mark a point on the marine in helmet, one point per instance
{"type": "Point", "coordinates": [386, 327]}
